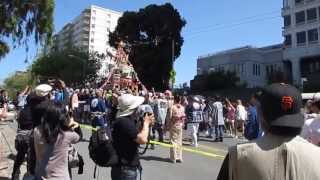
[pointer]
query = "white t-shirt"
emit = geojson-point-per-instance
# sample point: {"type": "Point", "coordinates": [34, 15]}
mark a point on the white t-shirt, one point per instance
{"type": "Point", "coordinates": [241, 113]}
{"type": "Point", "coordinates": [311, 130]}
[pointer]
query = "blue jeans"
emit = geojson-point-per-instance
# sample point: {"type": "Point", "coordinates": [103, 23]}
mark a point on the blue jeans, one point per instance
{"type": "Point", "coordinates": [218, 131]}
{"type": "Point", "coordinates": [124, 173]}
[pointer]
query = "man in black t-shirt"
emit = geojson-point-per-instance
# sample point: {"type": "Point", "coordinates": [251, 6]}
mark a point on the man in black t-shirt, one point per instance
{"type": "Point", "coordinates": [126, 137]}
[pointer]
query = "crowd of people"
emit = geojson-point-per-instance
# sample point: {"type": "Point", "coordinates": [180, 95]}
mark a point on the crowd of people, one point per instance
{"type": "Point", "coordinates": [50, 116]}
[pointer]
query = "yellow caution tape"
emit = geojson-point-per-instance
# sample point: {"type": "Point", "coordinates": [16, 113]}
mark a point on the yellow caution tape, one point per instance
{"type": "Point", "coordinates": [196, 151]}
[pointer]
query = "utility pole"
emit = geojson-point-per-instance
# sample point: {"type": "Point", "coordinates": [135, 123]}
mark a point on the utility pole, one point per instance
{"type": "Point", "coordinates": [172, 58]}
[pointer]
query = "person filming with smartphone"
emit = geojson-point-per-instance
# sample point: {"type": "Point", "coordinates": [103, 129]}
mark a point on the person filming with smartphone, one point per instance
{"type": "Point", "coordinates": [127, 137]}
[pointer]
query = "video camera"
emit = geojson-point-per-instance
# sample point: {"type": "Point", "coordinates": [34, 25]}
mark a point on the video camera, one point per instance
{"type": "Point", "coordinates": [143, 110]}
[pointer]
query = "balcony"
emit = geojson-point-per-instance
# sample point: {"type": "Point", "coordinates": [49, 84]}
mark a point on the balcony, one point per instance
{"type": "Point", "coordinates": [285, 11]}
{"type": "Point", "coordinates": [86, 22]}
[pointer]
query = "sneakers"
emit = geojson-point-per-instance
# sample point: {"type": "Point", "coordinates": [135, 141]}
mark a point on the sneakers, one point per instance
{"type": "Point", "coordinates": [152, 147]}
{"type": "Point", "coordinates": [176, 161]}
{"type": "Point", "coordinates": [194, 145]}
{"type": "Point", "coordinates": [218, 140]}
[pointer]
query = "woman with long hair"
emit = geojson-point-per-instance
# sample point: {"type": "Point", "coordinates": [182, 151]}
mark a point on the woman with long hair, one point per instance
{"type": "Point", "coordinates": [52, 141]}
{"type": "Point", "coordinates": [230, 119]}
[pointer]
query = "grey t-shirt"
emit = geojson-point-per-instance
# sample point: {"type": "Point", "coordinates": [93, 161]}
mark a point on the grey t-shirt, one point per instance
{"type": "Point", "coordinates": [52, 160]}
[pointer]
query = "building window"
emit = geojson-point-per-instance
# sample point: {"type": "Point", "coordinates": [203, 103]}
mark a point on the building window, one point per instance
{"type": "Point", "coordinates": [92, 32]}
{"type": "Point", "coordinates": [300, 17]}
{"type": "Point", "coordinates": [94, 11]}
{"type": "Point", "coordinates": [312, 14]}
{"type": "Point", "coordinates": [285, 3]}
{"type": "Point", "coordinates": [259, 72]}
{"type": "Point", "coordinates": [255, 69]}
{"type": "Point", "coordinates": [311, 69]}
{"type": "Point", "coordinates": [93, 18]}
{"type": "Point", "coordinates": [92, 40]}
{"type": "Point", "coordinates": [313, 35]}
{"type": "Point", "coordinates": [288, 40]}
{"type": "Point", "coordinates": [242, 69]}
{"type": "Point", "coordinates": [93, 25]}
{"type": "Point", "coordinates": [299, 1]}
{"type": "Point", "coordinates": [301, 38]}
{"type": "Point", "coordinates": [287, 21]}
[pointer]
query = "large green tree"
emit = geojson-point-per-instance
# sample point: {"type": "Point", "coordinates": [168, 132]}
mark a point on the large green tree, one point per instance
{"type": "Point", "coordinates": [18, 82]}
{"type": "Point", "coordinates": [153, 35]}
{"type": "Point", "coordinates": [72, 66]}
{"type": "Point", "coordinates": [222, 80]}
{"type": "Point", "coordinates": [216, 81]}
{"type": "Point", "coordinates": [20, 19]}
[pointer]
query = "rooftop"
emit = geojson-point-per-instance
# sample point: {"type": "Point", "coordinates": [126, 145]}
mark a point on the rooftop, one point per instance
{"type": "Point", "coordinates": [243, 48]}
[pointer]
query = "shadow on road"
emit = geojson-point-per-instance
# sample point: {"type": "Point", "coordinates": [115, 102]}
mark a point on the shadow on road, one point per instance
{"type": "Point", "coordinates": [84, 140]}
{"type": "Point", "coordinates": [153, 158]}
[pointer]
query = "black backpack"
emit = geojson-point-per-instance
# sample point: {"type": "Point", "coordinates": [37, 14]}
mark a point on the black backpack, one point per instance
{"type": "Point", "coordinates": [101, 149]}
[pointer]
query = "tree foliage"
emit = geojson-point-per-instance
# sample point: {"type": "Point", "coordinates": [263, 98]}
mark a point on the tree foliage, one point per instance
{"type": "Point", "coordinates": [72, 66]}
{"type": "Point", "coordinates": [222, 80]}
{"type": "Point", "coordinates": [277, 77]}
{"type": "Point", "coordinates": [151, 33]}
{"type": "Point", "coordinates": [20, 19]}
{"type": "Point", "coordinates": [216, 81]}
{"type": "Point", "coordinates": [18, 82]}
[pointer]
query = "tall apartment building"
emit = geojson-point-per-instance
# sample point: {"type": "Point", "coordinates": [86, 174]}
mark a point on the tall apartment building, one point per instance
{"type": "Point", "coordinates": [301, 33]}
{"type": "Point", "coordinates": [90, 32]}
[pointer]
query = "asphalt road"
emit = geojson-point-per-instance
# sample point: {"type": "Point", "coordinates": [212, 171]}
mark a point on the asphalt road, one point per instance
{"type": "Point", "coordinates": [156, 165]}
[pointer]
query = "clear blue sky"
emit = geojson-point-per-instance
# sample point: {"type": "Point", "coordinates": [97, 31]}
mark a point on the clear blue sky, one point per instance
{"type": "Point", "coordinates": [211, 26]}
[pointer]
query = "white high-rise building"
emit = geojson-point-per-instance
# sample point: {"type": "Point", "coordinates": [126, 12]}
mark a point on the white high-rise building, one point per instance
{"type": "Point", "coordinates": [302, 46]}
{"type": "Point", "coordinates": [90, 32]}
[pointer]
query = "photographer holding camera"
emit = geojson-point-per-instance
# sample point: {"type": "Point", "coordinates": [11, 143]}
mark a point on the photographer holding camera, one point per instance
{"type": "Point", "coordinates": [127, 137]}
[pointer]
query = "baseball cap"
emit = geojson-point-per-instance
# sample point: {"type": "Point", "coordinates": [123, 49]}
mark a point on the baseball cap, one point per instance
{"type": "Point", "coordinates": [281, 105]}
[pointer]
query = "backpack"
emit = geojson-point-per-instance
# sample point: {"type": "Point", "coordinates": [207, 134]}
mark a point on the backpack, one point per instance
{"type": "Point", "coordinates": [101, 149]}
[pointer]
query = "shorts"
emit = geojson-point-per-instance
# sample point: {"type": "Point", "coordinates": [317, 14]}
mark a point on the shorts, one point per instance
{"type": "Point", "coordinates": [229, 120]}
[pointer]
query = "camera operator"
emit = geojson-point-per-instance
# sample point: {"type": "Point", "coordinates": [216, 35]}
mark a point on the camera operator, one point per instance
{"type": "Point", "coordinates": [127, 137]}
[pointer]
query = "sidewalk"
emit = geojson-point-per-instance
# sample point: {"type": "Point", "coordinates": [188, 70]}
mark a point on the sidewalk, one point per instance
{"type": "Point", "coordinates": [7, 150]}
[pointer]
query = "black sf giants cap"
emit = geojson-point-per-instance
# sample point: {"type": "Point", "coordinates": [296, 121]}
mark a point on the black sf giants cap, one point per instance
{"type": "Point", "coordinates": [281, 105]}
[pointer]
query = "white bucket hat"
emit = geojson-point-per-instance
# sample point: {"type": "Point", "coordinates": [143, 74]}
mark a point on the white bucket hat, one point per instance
{"type": "Point", "coordinates": [43, 90]}
{"type": "Point", "coordinates": [127, 104]}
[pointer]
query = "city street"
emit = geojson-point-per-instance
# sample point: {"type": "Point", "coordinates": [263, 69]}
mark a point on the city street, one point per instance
{"type": "Point", "coordinates": [155, 163]}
